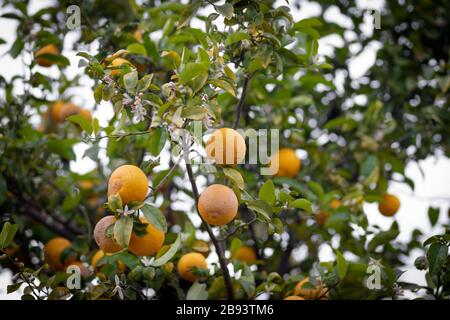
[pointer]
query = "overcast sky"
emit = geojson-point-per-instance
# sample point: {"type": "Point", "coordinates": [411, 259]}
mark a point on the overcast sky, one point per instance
{"type": "Point", "coordinates": [431, 189]}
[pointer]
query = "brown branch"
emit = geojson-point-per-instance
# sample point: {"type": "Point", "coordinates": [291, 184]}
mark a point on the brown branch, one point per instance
{"type": "Point", "coordinates": [219, 251]}
{"type": "Point", "coordinates": [240, 104]}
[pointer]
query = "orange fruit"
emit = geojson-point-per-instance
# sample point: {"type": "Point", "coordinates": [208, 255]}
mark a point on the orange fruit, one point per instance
{"type": "Point", "coordinates": [56, 110]}
{"type": "Point", "coordinates": [137, 35]}
{"type": "Point", "coordinates": [320, 292]}
{"type": "Point", "coordinates": [48, 49]}
{"type": "Point", "coordinates": [245, 254]}
{"type": "Point", "coordinates": [226, 146]}
{"type": "Point", "coordinates": [53, 250]}
{"type": "Point", "coordinates": [86, 184]}
{"type": "Point", "coordinates": [108, 245]}
{"type": "Point", "coordinates": [322, 217]}
{"type": "Point", "coordinates": [99, 254]}
{"type": "Point", "coordinates": [86, 114]}
{"type": "Point", "coordinates": [117, 62]}
{"type": "Point", "coordinates": [285, 163]}
{"type": "Point", "coordinates": [189, 261]}
{"type": "Point", "coordinates": [294, 298]}
{"type": "Point", "coordinates": [148, 244]}
{"type": "Point", "coordinates": [389, 205]}
{"type": "Point", "coordinates": [68, 109]}
{"type": "Point", "coordinates": [218, 205]}
{"type": "Point", "coordinates": [130, 182]}
{"type": "Point", "coordinates": [335, 203]}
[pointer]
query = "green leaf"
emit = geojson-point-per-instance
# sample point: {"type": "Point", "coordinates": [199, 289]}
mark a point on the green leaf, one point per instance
{"type": "Point", "coordinates": [436, 255]}
{"type": "Point", "coordinates": [235, 177]}
{"type": "Point", "coordinates": [197, 292]}
{"type": "Point", "coordinates": [158, 140]}
{"type": "Point", "coordinates": [188, 14]}
{"type": "Point", "coordinates": [227, 10]}
{"type": "Point", "coordinates": [341, 265]}
{"type": "Point", "coordinates": [370, 169]}
{"type": "Point", "coordinates": [144, 82]}
{"type": "Point", "coordinates": [307, 23]}
{"type": "Point", "coordinates": [247, 281]}
{"type": "Point", "coordinates": [261, 207]}
{"type": "Point", "coordinates": [383, 237]}
{"type": "Point", "coordinates": [122, 231]}
{"type": "Point", "coordinates": [267, 192]}
{"type": "Point", "coordinates": [130, 81]}
{"type": "Point", "coordinates": [98, 93]}
{"type": "Point", "coordinates": [303, 204]}
{"type": "Point", "coordinates": [192, 70]}
{"type": "Point", "coordinates": [169, 253]}
{"type": "Point", "coordinates": [194, 113]}
{"type": "Point", "coordinates": [235, 37]}
{"type": "Point", "coordinates": [7, 234]}
{"type": "Point", "coordinates": [155, 217]}
{"type": "Point", "coordinates": [82, 122]}
{"type": "Point", "coordinates": [316, 188]}
{"type": "Point", "coordinates": [137, 48]}
{"type": "Point", "coordinates": [223, 85]}
{"type": "Point", "coordinates": [62, 147]}
{"type": "Point", "coordinates": [235, 245]}
{"type": "Point", "coordinates": [172, 55]}
{"type": "Point", "coordinates": [13, 287]}
{"type": "Point", "coordinates": [433, 215]}
{"type": "Point", "coordinates": [16, 48]}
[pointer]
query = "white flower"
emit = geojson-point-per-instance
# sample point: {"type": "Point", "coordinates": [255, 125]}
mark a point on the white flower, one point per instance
{"type": "Point", "coordinates": [127, 99]}
{"type": "Point", "coordinates": [138, 110]}
{"type": "Point", "coordinates": [118, 288]}
{"type": "Point", "coordinates": [125, 212]}
{"type": "Point", "coordinates": [146, 261]}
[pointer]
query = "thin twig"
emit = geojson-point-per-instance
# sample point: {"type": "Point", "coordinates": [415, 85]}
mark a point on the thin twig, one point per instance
{"type": "Point", "coordinates": [240, 104]}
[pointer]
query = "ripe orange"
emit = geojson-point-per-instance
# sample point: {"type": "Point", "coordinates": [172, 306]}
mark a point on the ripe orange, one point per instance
{"type": "Point", "coordinates": [130, 182]}
{"type": "Point", "coordinates": [245, 254]}
{"type": "Point", "coordinates": [320, 292]}
{"type": "Point", "coordinates": [99, 254]}
{"type": "Point", "coordinates": [285, 163]}
{"type": "Point", "coordinates": [189, 261]}
{"type": "Point", "coordinates": [56, 110]}
{"type": "Point", "coordinates": [389, 206]}
{"type": "Point", "coordinates": [335, 203]}
{"type": "Point", "coordinates": [68, 109]}
{"type": "Point", "coordinates": [218, 205]}
{"type": "Point", "coordinates": [117, 62]}
{"type": "Point", "coordinates": [86, 114]}
{"type": "Point", "coordinates": [53, 250]}
{"type": "Point", "coordinates": [108, 245]}
{"type": "Point", "coordinates": [226, 146]}
{"type": "Point", "coordinates": [148, 244]}
{"type": "Point", "coordinates": [294, 298]}
{"type": "Point", "coordinates": [48, 49]}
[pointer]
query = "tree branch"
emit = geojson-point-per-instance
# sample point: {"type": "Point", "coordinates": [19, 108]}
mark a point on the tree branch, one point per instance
{"type": "Point", "coordinates": [240, 104]}
{"type": "Point", "coordinates": [219, 251]}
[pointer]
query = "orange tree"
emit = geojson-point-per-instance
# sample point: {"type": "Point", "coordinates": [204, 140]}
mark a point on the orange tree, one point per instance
{"type": "Point", "coordinates": [210, 224]}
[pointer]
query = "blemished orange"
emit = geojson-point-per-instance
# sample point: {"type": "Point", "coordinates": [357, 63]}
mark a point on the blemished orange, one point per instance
{"type": "Point", "coordinates": [294, 298]}
{"type": "Point", "coordinates": [48, 49]}
{"type": "Point", "coordinates": [108, 245]}
{"type": "Point", "coordinates": [245, 254]}
{"type": "Point", "coordinates": [99, 254]}
{"type": "Point", "coordinates": [53, 250]}
{"type": "Point", "coordinates": [389, 205]}
{"type": "Point", "coordinates": [117, 62]}
{"type": "Point", "coordinates": [218, 205]}
{"type": "Point", "coordinates": [285, 163]}
{"type": "Point", "coordinates": [320, 292]}
{"type": "Point", "coordinates": [187, 262]}
{"type": "Point", "coordinates": [86, 114]}
{"type": "Point", "coordinates": [130, 182]}
{"type": "Point", "coordinates": [148, 244]}
{"type": "Point", "coordinates": [226, 146]}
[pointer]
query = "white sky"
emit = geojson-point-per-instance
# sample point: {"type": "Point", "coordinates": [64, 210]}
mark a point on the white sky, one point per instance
{"type": "Point", "coordinates": [432, 189]}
